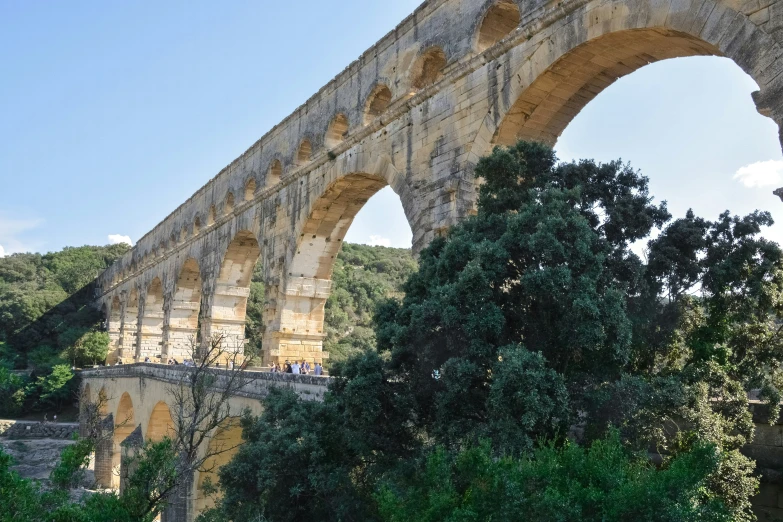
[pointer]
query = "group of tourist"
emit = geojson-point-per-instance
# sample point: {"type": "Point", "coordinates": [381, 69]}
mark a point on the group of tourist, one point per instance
{"type": "Point", "coordinates": [302, 368]}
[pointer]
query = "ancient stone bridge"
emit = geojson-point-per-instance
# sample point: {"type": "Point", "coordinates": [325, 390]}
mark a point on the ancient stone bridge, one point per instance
{"type": "Point", "coordinates": [415, 112]}
{"type": "Point", "coordinates": [138, 398]}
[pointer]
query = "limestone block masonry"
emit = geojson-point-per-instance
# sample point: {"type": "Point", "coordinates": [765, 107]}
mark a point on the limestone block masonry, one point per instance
{"type": "Point", "coordinates": [12, 429]}
{"type": "Point", "coordinates": [415, 112]}
{"type": "Point", "coordinates": [136, 405]}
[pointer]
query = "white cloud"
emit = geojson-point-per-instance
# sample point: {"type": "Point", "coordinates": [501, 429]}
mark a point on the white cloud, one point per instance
{"type": "Point", "coordinates": [116, 239]}
{"type": "Point", "coordinates": [11, 229]}
{"type": "Point", "coordinates": [379, 241]}
{"type": "Point", "coordinates": [761, 174]}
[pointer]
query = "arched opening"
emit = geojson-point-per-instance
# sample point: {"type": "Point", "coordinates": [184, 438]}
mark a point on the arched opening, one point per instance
{"type": "Point", "coordinates": [337, 131]}
{"type": "Point", "coordinates": [302, 299]}
{"type": "Point", "coordinates": [501, 19]}
{"type": "Point", "coordinates": [151, 329]}
{"type": "Point", "coordinates": [304, 154]}
{"type": "Point", "coordinates": [196, 226]}
{"type": "Point", "coordinates": [183, 234]}
{"type": "Point", "coordinates": [130, 326]}
{"type": "Point", "coordinates": [182, 331]}
{"type": "Point", "coordinates": [221, 449]}
{"type": "Point", "coordinates": [211, 216]}
{"type": "Point", "coordinates": [160, 423]}
{"type": "Point", "coordinates": [232, 289]}
{"type": "Point", "coordinates": [228, 206]}
{"type": "Point", "coordinates": [250, 189]}
{"type": "Point", "coordinates": [114, 327]}
{"type": "Point", "coordinates": [377, 103]}
{"type": "Point", "coordinates": [274, 174]}
{"type": "Point", "coordinates": [124, 424]}
{"type": "Point", "coordinates": [428, 69]}
{"type": "Point", "coordinates": [543, 110]}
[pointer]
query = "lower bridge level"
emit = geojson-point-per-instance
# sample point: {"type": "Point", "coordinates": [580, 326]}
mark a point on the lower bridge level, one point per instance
{"type": "Point", "coordinates": [136, 401]}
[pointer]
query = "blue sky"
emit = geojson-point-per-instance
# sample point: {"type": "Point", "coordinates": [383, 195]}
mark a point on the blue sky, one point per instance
{"type": "Point", "coordinates": [114, 113]}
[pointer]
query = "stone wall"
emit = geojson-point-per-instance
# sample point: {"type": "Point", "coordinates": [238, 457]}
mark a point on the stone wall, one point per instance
{"type": "Point", "coordinates": [767, 450]}
{"type": "Point", "coordinates": [12, 429]}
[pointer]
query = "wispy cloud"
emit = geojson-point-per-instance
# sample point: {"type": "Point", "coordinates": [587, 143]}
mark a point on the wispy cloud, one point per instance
{"type": "Point", "coordinates": [379, 241]}
{"type": "Point", "coordinates": [761, 174]}
{"type": "Point", "coordinates": [116, 239]}
{"type": "Point", "coordinates": [10, 231]}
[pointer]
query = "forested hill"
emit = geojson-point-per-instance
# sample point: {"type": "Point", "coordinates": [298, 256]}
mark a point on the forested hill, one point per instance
{"type": "Point", "coordinates": [363, 276]}
{"type": "Point", "coordinates": [44, 298]}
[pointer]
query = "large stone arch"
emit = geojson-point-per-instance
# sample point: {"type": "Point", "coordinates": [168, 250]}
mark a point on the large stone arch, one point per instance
{"type": "Point", "coordinates": [130, 326]}
{"type": "Point", "coordinates": [181, 331]}
{"type": "Point", "coordinates": [227, 305]}
{"type": "Point", "coordinates": [556, 73]}
{"type": "Point", "coordinates": [295, 325]}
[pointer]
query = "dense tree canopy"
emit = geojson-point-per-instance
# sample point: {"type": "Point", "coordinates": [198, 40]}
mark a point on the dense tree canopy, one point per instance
{"type": "Point", "coordinates": [48, 324]}
{"type": "Point", "coordinates": [532, 319]}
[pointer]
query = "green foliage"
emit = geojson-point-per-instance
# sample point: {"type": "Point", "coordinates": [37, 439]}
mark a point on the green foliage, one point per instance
{"type": "Point", "coordinates": [24, 500]}
{"type": "Point", "coordinates": [527, 319]}
{"type": "Point", "coordinates": [55, 389]}
{"type": "Point", "coordinates": [291, 466]}
{"type": "Point", "coordinates": [601, 484]}
{"type": "Point", "coordinates": [12, 393]}
{"type": "Point", "coordinates": [46, 319]}
{"type": "Point", "coordinates": [363, 277]}
{"type": "Point", "coordinates": [43, 296]}
{"type": "Point", "coordinates": [69, 471]}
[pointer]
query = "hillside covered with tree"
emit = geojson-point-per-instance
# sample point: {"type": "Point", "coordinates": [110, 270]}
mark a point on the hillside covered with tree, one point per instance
{"type": "Point", "coordinates": [47, 324]}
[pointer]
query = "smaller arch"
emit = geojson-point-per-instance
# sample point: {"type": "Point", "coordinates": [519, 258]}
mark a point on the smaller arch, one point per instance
{"type": "Point", "coordinates": [274, 174]}
{"type": "Point", "coordinates": [500, 21]}
{"type": "Point", "coordinates": [377, 103]}
{"type": "Point", "coordinates": [160, 423]}
{"type": "Point", "coordinates": [183, 234]}
{"type": "Point", "coordinates": [211, 216]}
{"type": "Point", "coordinates": [222, 447]}
{"type": "Point", "coordinates": [304, 154]}
{"type": "Point", "coordinates": [250, 189]}
{"type": "Point", "coordinates": [124, 424]}
{"type": "Point", "coordinates": [228, 206]}
{"type": "Point", "coordinates": [196, 226]}
{"type": "Point", "coordinates": [428, 69]}
{"type": "Point", "coordinates": [337, 131]}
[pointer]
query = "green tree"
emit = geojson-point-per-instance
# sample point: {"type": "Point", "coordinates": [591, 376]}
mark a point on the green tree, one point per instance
{"type": "Point", "coordinates": [528, 317]}
{"type": "Point", "coordinates": [601, 484]}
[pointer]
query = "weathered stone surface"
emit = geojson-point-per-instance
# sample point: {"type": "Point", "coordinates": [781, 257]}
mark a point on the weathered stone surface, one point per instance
{"type": "Point", "coordinates": [414, 112]}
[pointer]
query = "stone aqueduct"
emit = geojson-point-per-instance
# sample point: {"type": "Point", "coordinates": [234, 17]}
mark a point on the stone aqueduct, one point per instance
{"type": "Point", "coordinates": [415, 112]}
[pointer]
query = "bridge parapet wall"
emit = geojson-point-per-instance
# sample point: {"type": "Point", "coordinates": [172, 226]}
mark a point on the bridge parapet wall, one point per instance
{"type": "Point", "coordinates": [309, 387]}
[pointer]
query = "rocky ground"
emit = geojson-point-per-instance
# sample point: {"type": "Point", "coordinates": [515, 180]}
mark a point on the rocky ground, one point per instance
{"type": "Point", "coordinates": [35, 459]}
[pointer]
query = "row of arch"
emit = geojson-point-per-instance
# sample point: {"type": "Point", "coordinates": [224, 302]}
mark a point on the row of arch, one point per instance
{"type": "Point", "coordinates": [151, 322]}
{"type": "Point", "coordinates": [222, 444]}
{"type": "Point", "coordinates": [500, 19]}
